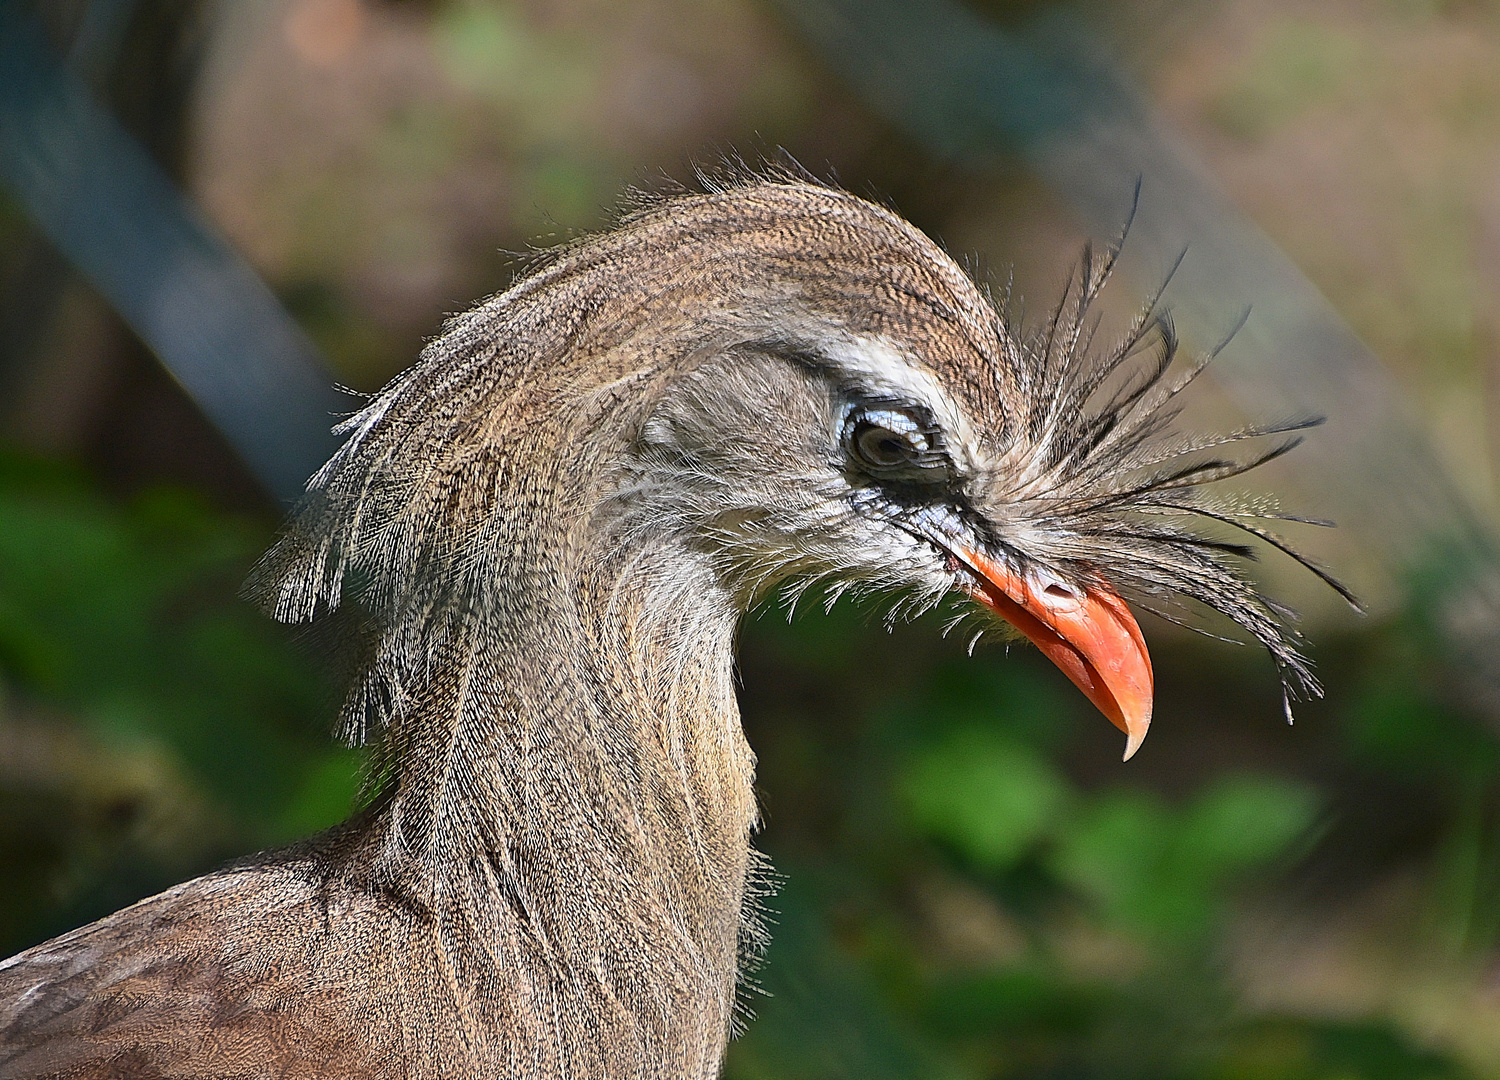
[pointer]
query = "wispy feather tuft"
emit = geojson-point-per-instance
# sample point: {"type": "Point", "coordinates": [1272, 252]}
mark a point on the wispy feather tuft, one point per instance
{"type": "Point", "coordinates": [1116, 491]}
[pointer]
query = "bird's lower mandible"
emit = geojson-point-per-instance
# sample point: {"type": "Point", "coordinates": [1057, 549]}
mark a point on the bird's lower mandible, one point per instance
{"type": "Point", "coordinates": [551, 524]}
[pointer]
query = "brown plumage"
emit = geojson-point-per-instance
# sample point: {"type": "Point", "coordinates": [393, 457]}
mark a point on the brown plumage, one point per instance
{"type": "Point", "coordinates": [552, 523]}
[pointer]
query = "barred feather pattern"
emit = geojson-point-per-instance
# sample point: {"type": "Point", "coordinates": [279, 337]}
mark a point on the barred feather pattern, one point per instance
{"type": "Point", "coordinates": [1101, 472]}
{"type": "Point", "coordinates": [548, 528]}
{"type": "Point", "coordinates": [509, 482]}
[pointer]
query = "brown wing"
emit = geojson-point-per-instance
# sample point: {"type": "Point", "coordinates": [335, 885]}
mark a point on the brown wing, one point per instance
{"type": "Point", "coordinates": [259, 972]}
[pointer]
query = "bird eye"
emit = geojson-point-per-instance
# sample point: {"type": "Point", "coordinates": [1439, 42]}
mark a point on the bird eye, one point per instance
{"type": "Point", "coordinates": [883, 447]}
{"type": "Point", "coordinates": [890, 441]}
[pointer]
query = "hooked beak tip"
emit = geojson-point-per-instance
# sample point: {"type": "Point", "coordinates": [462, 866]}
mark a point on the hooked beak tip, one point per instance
{"type": "Point", "coordinates": [1090, 634]}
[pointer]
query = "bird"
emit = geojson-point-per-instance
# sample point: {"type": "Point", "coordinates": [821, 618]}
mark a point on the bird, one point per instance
{"type": "Point", "coordinates": [544, 534]}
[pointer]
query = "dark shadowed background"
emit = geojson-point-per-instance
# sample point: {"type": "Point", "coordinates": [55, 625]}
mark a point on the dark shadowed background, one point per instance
{"type": "Point", "coordinates": [973, 885]}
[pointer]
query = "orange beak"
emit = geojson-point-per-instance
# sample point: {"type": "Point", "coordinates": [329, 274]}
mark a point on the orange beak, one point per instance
{"type": "Point", "coordinates": [1091, 636]}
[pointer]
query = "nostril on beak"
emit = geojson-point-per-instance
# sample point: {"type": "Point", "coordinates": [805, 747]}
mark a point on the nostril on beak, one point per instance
{"type": "Point", "coordinates": [1054, 591]}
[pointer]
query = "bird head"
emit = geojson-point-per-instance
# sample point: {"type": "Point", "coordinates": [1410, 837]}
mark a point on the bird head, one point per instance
{"type": "Point", "coordinates": [847, 464]}
{"type": "Point", "coordinates": [787, 387]}
{"type": "Point", "coordinates": [889, 430]}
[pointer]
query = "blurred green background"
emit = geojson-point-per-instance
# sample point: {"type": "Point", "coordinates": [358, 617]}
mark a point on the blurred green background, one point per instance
{"type": "Point", "coordinates": [971, 884]}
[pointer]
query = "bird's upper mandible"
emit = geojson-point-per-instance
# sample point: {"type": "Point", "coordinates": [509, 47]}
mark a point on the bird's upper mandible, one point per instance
{"type": "Point", "coordinates": [779, 386]}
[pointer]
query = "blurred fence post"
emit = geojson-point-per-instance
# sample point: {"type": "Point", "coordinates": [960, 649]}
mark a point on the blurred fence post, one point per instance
{"type": "Point", "coordinates": [196, 304]}
{"type": "Point", "coordinates": [968, 90]}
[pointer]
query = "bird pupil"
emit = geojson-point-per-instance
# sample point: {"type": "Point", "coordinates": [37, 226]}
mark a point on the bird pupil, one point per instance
{"type": "Point", "coordinates": [892, 443]}
{"type": "Point", "coordinates": [884, 447]}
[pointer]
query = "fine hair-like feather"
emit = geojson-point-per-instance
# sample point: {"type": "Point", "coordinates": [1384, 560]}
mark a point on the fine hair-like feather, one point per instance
{"type": "Point", "coordinates": [551, 524]}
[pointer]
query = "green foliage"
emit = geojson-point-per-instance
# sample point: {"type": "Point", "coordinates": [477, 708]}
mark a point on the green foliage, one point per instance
{"type": "Point", "coordinates": [990, 797]}
{"type": "Point", "coordinates": [1298, 1050]}
{"type": "Point", "coordinates": [819, 1017]}
{"type": "Point", "coordinates": [960, 901]}
{"type": "Point", "coordinates": [1409, 731]}
{"type": "Point", "coordinates": [1163, 870]}
{"type": "Point", "coordinates": [1083, 929]}
{"type": "Point", "coordinates": [124, 619]}
{"type": "Point", "coordinates": [1143, 864]}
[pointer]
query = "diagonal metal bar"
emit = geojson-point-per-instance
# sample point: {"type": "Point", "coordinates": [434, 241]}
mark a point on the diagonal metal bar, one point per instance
{"type": "Point", "coordinates": [178, 284]}
{"type": "Point", "coordinates": [969, 91]}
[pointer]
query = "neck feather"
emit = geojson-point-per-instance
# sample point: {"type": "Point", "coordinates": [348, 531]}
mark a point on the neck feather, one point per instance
{"type": "Point", "coordinates": [572, 784]}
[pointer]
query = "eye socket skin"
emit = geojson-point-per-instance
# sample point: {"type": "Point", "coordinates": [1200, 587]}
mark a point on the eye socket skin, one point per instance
{"type": "Point", "coordinates": [892, 443]}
